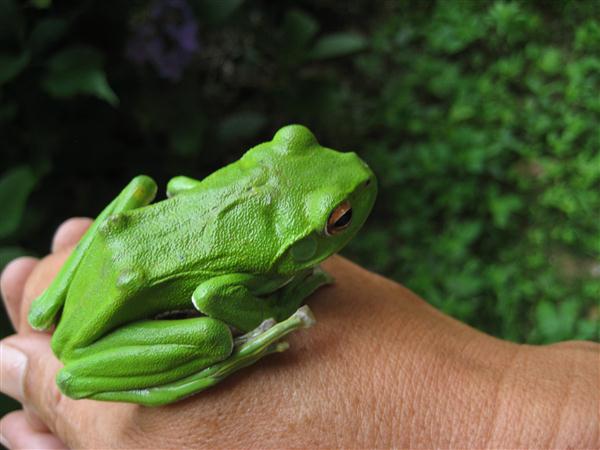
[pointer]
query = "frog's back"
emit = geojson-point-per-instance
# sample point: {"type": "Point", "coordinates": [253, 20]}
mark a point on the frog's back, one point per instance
{"type": "Point", "coordinates": [207, 233]}
{"type": "Point", "coordinates": [242, 218]}
{"type": "Point", "coordinates": [149, 260]}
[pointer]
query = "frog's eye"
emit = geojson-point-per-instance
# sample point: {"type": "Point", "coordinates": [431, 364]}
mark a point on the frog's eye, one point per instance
{"type": "Point", "coordinates": [339, 219]}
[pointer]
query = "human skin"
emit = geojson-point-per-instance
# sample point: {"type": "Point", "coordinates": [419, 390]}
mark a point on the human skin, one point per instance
{"type": "Point", "coordinates": [381, 368]}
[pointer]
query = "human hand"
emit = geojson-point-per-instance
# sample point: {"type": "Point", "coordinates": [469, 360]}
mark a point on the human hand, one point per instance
{"type": "Point", "coordinates": [380, 369]}
{"type": "Point", "coordinates": [24, 427]}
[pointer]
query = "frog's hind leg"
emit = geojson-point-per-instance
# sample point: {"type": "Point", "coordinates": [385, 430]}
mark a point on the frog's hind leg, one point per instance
{"type": "Point", "coordinates": [44, 310]}
{"type": "Point", "coordinates": [252, 347]}
{"type": "Point", "coordinates": [142, 355]}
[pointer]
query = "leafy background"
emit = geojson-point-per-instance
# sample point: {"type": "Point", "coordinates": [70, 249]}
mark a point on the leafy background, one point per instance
{"type": "Point", "coordinates": [479, 118]}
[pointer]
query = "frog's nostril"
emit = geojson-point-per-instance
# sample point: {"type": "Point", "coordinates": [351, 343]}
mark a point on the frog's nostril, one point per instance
{"type": "Point", "coordinates": [368, 182]}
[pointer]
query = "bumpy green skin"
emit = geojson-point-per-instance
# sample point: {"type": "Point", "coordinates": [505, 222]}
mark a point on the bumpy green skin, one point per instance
{"type": "Point", "coordinates": [241, 246]}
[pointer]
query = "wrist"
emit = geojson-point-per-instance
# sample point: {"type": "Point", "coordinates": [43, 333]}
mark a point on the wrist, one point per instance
{"type": "Point", "coordinates": [445, 383]}
{"type": "Point", "coordinates": [549, 397]}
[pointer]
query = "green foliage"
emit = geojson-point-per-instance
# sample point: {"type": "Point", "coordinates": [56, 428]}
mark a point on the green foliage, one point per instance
{"type": "Point", "coordinates": [338, 44]}
{"type": "Point", "coordinates": [215, 12]}
{"type": "Point", "coordinates": [12, 65]}
{"type": "Point", "coordinates": [15, 187]}
{"type": "Point", "coordinates": [78, 70]}
{"type": "Point", "coordinates": [480, 119]}
{"type": "Point", "coordinates": [489, 159]}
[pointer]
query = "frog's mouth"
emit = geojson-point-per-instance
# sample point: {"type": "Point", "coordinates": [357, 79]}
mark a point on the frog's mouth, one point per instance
{"type": "Point", "coordinates": [178, 314]}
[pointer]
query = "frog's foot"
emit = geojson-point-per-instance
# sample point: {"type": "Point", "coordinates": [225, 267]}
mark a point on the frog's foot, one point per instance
{"type": "Point", "coordinates": [257, 346]}
{"type": "Point", "coordinates": [234, 298]}
{"type": "Point", "coordinates": [313, 281]}
{"type": "Point", "coordinates": [264, 326]}
{"type": "Point", "coordinates": [293, 294]}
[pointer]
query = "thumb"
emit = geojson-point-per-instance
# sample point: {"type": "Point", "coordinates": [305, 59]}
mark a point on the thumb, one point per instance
{"type": "Point", "coordinates": [27, 371]}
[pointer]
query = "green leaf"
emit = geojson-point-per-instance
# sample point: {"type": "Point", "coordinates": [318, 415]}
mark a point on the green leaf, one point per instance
{"type": "Point", "coordinates": [215, 11]}
{"type": "Point", "coordinates": [41, 4]}
{"type": "Point", "coordinates": [46, 32]}
{"type": "Point", "coordinates": [8, 253]}
{"type": "Point", "coordinates": [503, 207]}
{"type": "Point", "coordinates": [241, 125]}
{"type": "Point", "coordinates": [12, 65]}
{"type": "Point", "coordinates": [587, 36]}
{"type": "Point", "coordinates": [186, 136]}
{"type": "Point", "coordinates": [8, 111]}
{"type": "Point", "coordinates": [547, 319]}
{"type": "Point", "coordinates": [454, 26]}
{"type": "Point", "coordinates": [78, 70]}
{"type": "Point", "coordinates": [551, 61]}
{"type": "Point", "coordinates": [11, 21]}
{"type": "Point", "coordinates": [556, 322]}
{"type": "Point", "coordinates": [15, 187]}
{"type": "Point", "coordinates": [338, 44]}
{"type": "Point", "coordinates": [299, 28]}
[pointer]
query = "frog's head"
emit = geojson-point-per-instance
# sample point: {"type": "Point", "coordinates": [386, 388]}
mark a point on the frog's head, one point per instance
{"type": "Point", "coordinates": [326, 197]}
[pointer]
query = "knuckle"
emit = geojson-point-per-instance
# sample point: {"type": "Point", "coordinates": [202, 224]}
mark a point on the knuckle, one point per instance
{"type": "Point", "coordinates": [54, 410]}
{"type": "Point", "coordinates": [41, 392]}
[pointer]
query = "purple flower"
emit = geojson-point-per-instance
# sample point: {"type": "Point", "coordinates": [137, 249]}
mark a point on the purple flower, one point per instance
{"type": "Point", "coordinates": [166, 37]}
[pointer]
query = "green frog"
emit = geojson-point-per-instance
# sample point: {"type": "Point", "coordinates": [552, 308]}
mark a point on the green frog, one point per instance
{"type": "Point", "coordinates": [162, 300]}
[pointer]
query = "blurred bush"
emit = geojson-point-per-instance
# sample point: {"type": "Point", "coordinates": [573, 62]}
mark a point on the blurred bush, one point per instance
{"type": "Point", "coordinates": [480, 119]}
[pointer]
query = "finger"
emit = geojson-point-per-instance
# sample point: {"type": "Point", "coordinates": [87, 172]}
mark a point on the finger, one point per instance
{"type": "Point", "coordinates": [16, 432]}
{"type": "Point", "coordinates": [28, 372]}
{"type": "Point", "coordinates": [35, 422]}
{"type": "Point", "coordinates": [69, 232]}
{"type": "Point", "coordinates": [13, 364]}
{"type": "Point", "coordinates": [12, 282]}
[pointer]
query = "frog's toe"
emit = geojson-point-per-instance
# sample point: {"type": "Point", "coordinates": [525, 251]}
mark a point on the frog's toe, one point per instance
{"type": "Point", "coordinates": [67, 385]}
{"type": "Point", "coordinates": [322, 276]}
{"type": "Point", "coordinates": [113, 223]}
{"type": "Point", "coordinates": [264, 326]}
{"type": "Point", "coordinates": [130, 279]}
{"type": "Point", "coordinates": [305, 316]}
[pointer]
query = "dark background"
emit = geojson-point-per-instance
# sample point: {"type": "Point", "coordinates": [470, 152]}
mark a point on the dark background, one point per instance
{"type": "Point", "coordinates": [479, 118]}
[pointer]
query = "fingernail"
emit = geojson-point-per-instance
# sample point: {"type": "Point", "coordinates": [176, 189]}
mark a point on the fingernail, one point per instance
{"type": "Point", "coordinates": [12, 371]}
{"type": "Point", "coordinates": [3, 442]}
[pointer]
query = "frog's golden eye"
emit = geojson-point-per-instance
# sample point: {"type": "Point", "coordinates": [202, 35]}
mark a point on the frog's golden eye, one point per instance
{"type": "Point", "coordinates": [339, 219]}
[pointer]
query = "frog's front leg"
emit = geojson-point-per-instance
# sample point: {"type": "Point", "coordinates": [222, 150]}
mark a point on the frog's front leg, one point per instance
{"type": "Point", "coordinates": [241, 300]}
{"type": "Point", "coordinates": [139, 192]}
{"type": "Point", "coordinates": [181, 184]}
